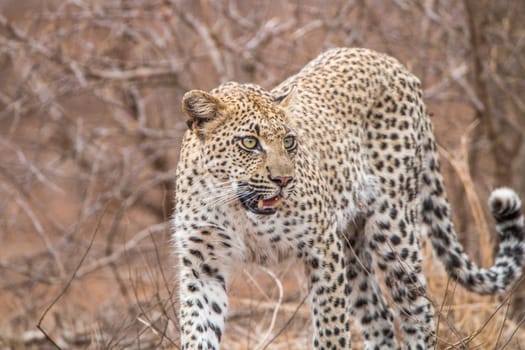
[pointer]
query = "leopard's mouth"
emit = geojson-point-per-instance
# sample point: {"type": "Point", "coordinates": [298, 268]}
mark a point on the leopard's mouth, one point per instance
{"type": "Point", "coordinates": [261, 206]}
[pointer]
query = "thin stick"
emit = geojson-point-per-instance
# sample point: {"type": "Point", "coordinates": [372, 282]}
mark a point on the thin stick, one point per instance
{"type": "Point", "coordinates": [287, 322]}
{"type": "Point", "coordinates": [502, 325]}
{"type": "Point", "coordinates": [518, 327]}
{"type": "Point", "coordinates": [66, 287]}
{"type": "Point", "coordinates": [275, 310]}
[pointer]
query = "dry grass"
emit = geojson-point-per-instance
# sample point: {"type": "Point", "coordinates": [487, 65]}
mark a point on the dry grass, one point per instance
{"type": "Point", "coordinates": [90, 128]}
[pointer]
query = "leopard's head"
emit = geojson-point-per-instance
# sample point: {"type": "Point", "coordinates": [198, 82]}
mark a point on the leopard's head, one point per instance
{"type": "Point", "coordinates": [245, 143]}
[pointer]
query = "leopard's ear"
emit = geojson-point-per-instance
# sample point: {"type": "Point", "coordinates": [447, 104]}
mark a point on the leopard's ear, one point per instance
{"type": "Point", "coordinates": [284, 99]}
{"type": "Point", "coordinates": [201, 108]}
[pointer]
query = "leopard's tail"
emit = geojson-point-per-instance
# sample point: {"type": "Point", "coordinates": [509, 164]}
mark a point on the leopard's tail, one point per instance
{"type": "Point", "coordinates": [506, 210]}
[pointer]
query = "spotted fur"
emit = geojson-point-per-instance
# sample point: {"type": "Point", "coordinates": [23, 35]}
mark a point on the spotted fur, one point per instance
{"type": "Point", "coordinates": [336, 167]}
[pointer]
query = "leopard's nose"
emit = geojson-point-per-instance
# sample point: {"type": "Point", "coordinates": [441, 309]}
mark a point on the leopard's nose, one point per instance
{"type": "Point", "coordinates": [281, 180]}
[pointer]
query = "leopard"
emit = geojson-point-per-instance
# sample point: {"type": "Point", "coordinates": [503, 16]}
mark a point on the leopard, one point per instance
{"type": "Point", "coordinates": [336, 168]}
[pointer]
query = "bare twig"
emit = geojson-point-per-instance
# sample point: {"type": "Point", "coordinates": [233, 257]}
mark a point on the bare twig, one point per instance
{"type": "Point", "coordinates": [264, 339]}
{"type": "Point", "coordinates": [66, 286]}
{"type": "Point", "coordinates": [461, 165]}
{"type": "Point", "coordinates": [117, 253]}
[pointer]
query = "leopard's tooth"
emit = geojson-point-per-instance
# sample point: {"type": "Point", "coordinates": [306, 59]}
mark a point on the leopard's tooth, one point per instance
{"type": "Point", "coordinates": [260, 204]}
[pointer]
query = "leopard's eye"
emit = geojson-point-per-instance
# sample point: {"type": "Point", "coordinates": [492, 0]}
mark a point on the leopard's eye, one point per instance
{"type": "Point", "coordinates": [289, 142]}
{"type": "Point", "coordinates": [249, 142]}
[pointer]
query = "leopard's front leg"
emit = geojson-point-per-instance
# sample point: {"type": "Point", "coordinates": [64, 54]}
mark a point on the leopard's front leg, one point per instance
{"type": "Point", "coordinates": [328, 288]}
{"type": "Point", "coordinates": [203, 274]}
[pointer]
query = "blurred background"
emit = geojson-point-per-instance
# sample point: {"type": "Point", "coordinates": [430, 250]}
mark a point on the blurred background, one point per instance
{"type": "Point", "coordinates": [90, 130]}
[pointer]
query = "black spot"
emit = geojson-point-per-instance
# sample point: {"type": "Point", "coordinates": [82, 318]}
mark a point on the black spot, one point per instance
{"type": "Point", "coordinates": [196, 253]}
{"type": "Point", "coordinates": [360, 303]}
{"type": "Point", "coordinates": [385, 225]}
{"type": "Point", "coordinates": [314, 263]}
{"type": "Point", "coordinates": [193, 287]}
{"type": "Point", "coordinates": [215, 307]}
{"type": "Point", "coordinates": [379, 237]}
{"type": "Point", "coordinates": [395, 240]}
{"type": "Point", "coordinates": [454, 261]}
{"type": "Point", "coordinates": [195, 239]}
